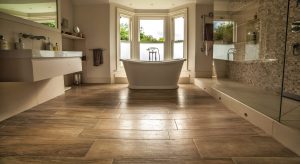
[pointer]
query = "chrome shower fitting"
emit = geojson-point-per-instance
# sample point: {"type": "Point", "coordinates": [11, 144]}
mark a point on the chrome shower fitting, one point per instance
{"type": "Point", "coordinates": [296, 26]}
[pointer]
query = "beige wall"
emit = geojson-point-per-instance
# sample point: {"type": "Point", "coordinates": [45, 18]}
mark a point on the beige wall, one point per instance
{"type": "Point", "coordinates": [67, 13]}
{"type": "Point", "coordinates": [203, 63]}
{"type": "Point", "coordinates": [100, 31]}
{"type": "Point", "coordinates": [94, 22]}
{"type": "Point", "coordinates": [18, 97]}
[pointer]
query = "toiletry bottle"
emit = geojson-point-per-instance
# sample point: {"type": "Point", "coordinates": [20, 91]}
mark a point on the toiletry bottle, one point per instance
{"type": "Point", "coordinates": [19, 45]}
{"type": "Point", "coordinates": [3, 43]}
{"type": "Point", "coordinates": [48, 45]}
{"type": "Point", "coordinates": [55, 48]}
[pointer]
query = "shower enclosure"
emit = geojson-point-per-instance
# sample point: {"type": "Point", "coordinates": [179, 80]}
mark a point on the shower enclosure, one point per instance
{"type": "Point", "coordinates": [257, 55]}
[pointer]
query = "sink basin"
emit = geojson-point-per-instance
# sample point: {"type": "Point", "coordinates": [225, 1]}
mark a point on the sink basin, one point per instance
{"type": "Point", "coordinates": [28, 53]}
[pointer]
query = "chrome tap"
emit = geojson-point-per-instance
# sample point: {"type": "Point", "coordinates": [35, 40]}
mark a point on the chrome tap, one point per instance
{"type": "Point", "coordinates": [153, 51]}
{"type": "Point", "coordinates": [30, 36]}
{"type": "Point", "coordinates": [231, 51]}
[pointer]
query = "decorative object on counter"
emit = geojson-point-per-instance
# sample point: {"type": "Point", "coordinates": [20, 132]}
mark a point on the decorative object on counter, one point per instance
{"type": "Point", "coordinates": [98, 56]}
{"type": "Point", "coordinates": [76, 29]}
{"type": "Point", "coordinates": [3, 43]}
{"type": "Point", "coordinates": [19, 45]}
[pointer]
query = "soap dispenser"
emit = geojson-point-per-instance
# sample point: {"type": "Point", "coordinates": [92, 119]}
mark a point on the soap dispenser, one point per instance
{"type": "Point", "coordinates": [3, 43]}
{"type": "Point", "coordinates": [19, 45]}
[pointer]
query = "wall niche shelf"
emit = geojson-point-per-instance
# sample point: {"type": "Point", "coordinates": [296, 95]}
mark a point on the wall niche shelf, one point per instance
{"type": "Point", "coordinates": [67, 36]}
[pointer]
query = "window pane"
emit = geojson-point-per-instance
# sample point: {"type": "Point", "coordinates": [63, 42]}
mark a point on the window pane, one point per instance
{"type": "Point", "coordinates": [179, 29]}
{"type": "Point", "coordinates": [144, 54]}
{"type": "Point", "coordinates": [124, 28]}
{"type": "Point", "coordinates": [223, 32]}
{"type": "Point", "coordinates": [152, 31]}
{"type": "Point", "coordinates": [125, 46]}
{"type": "Point", "coordinates": [178, 50]}
{"type": "Point", "coordinates": [125, 50]}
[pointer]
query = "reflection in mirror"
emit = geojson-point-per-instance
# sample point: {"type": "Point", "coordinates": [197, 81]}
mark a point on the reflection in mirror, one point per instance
{"type": "Point", "coordinates": [40, 11]}
{"type": "Point", "coordinates": [237, 29]}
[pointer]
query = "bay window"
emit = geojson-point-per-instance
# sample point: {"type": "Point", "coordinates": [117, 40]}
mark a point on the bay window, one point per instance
{"type": "Point", "coordinates": [178, 37]}
{"type": "Point", "coordinates": [151, 35]}
{"type": "Point", "coordinates": [125, 38]}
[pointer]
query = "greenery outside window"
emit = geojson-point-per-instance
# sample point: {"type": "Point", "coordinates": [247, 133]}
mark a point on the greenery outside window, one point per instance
{"type": "Point", "coordinates": [151, 34]}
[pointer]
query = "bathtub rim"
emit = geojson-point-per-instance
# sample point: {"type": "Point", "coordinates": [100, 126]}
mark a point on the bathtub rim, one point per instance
{"type": "Point", "coordinates": [153, 62]}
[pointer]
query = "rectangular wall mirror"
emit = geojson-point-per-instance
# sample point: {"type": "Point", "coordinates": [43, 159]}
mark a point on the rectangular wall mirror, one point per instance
{"type": "Point", "coordinates": [40, 11]}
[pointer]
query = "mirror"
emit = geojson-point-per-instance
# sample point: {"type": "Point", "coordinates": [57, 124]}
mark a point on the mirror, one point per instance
{"type": "Point", "coordinates": [40, 11]}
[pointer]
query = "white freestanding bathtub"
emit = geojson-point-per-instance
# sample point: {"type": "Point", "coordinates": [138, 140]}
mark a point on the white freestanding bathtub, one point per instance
{"type": "Point", "coordinates": [153, 74]}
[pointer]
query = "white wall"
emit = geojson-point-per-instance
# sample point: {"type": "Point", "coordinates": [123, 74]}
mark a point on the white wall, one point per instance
{"type": "Point", "coordinates": [94, 22]}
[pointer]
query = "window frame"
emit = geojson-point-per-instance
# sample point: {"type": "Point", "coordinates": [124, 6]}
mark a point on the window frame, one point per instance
{"type": "Point", "coordinates": [173, 16]}
{"type": "Point", "coordinates": [130, 16]}
{"type": "Point", "coordinates": [164, 30]}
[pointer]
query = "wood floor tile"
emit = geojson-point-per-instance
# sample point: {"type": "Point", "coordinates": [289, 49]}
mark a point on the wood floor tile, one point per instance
{"type": "Point", "coordinates": [32, 146]}
{"type": "Point", "coordinates": [172, 161]}
{"type": "Point", "coordinates": [241, 146]}
{"type": "Point", "coordinates": [189, 134]}
{"type": "Point", "coordinates": [51, 160]}
{"type": "Point", "coordinates": [53, 121]}
{"type": "Point", "coordinates": [143, 149]}
{"type": "Point", "coordinates": [136, 124]}
{"type": "Point", "coordinates": [170, 116]}
{"type": "Point", "coordinates": [266, 160]}
{"type": "Point", "coordinates": [211, 123]}
{"type": "Point", "coordinates": [124, 134]}
{"type": "Point", "coordinates": [50, 132]}
{"type": "Point", "coordinates": [83, 114]}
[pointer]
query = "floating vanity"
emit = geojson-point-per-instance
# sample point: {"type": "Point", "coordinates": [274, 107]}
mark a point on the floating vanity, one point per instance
{"type": "Point", "coordinates": [36, 65]}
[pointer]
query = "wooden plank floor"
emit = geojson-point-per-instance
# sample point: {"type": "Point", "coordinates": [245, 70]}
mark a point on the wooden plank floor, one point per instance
{"type": "Point", "coordinates": [112, 124]}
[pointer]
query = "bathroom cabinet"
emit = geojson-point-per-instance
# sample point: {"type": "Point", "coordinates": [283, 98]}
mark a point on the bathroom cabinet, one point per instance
{"type": "Point", "coordinates": [36, 65]}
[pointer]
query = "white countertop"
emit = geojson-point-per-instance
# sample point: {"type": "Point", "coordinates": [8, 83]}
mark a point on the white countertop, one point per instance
{"type": "Point", "coordinates": [38, 54]}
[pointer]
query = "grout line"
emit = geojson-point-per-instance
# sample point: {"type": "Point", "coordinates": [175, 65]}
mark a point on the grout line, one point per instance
{"type": "Point", "coordinates": [176, 124]}
{"type": "Point", "coordinates": [201, 156]}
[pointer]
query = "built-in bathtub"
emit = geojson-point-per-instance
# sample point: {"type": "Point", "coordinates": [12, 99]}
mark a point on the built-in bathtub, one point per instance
{"type": "Point", "coordinates": [153, 74]}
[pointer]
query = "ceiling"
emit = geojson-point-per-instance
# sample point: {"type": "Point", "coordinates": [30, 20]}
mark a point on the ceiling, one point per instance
{"type": "Point", "coordinates": [144, 4]}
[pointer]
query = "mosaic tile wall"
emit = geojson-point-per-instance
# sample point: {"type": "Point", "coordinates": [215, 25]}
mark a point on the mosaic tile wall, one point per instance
{"type": "Point", "coordinates": [292, 69]}
{"type": "Point", "coordinates": [264, 73]}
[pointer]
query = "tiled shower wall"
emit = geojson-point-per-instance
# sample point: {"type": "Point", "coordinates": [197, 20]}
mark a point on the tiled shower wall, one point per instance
{"type": "Point", "coordinates": [292, 68]}
{"type": "Point", "coordinates": [266, 74]}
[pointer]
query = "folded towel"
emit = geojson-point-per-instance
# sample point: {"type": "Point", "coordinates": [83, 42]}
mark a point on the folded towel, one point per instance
{"type": "Point", "coordinates": [98, 56]}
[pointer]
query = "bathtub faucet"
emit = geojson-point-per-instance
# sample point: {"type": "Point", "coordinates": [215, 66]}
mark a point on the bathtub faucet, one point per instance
{"type": "Point", "coordinates": [153, 51]}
